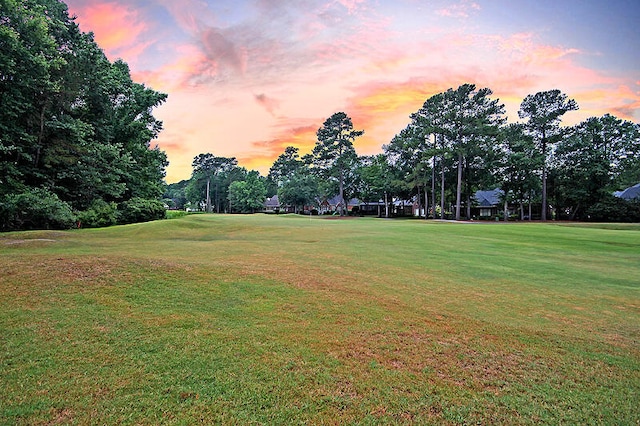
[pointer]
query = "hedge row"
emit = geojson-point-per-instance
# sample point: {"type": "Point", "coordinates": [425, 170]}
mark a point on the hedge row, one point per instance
{"type": "Point", "coordinates": [41, 209]}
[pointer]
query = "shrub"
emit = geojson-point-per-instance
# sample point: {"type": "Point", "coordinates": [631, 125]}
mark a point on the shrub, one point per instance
{"type": "Point", "coordinates": [36, 208]}
{"type": "Point", "coordinates": [140, 210]}
{"type": "Point", "coordinates": [614, 209]}
{"type": "Point", "coordinates": [174, 214]}
{"type": "Point", "coordinates": [99, 215]}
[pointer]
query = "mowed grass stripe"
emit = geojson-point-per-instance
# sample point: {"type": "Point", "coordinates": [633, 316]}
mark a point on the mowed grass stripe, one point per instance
{"type": "Point", "coordinates": [287, 319]}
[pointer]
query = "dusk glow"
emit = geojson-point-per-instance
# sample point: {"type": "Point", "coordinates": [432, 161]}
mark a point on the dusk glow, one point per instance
{"type": "Point", "coordinates": [247, 78]}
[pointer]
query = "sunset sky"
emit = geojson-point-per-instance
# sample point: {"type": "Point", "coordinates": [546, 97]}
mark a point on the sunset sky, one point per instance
{"type": "Point", "coordinates": [246, 78]}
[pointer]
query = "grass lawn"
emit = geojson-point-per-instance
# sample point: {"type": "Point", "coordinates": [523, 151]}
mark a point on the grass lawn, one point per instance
{"type": "Point", "coordinates": [297, 320]}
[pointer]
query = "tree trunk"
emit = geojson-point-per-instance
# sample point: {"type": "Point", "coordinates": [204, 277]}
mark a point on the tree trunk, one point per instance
{"type": "Point", "coordinates": [506, 210]}
{"type": "Point", "coordinates": [442, 188]}
{"type": "Point", "coordinates": [459, 187]}
{"type": "Point", "coordinates": [468, 207]}
{"type": "Point", "coordinates": [543, 216]}
{"type": "Point", "coordinates": [342, 206]}
{"type": "Point", "coordinates": [40, 135]}
{"type": "Point", "coordinates": [208, 207]}
{"type": "Point", "coordinates": [386, 205]}
{"type": "Point", "coordinates": [426, 203]}
{"type": "Point", "coordinates": [433, 187]}
{"type": "Point", "coordinates": [521, 210]}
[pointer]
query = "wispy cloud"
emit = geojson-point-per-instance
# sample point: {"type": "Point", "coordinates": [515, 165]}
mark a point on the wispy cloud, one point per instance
{"type": "Point", "coordinates": [249, 78]}
{"type": "Point", "coordinates": [459, 10]}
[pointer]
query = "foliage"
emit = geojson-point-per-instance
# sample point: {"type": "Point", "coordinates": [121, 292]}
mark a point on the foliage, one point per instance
{"type": "Point", "coordinates": [35, 208]}
{"type": "Point", "coordinates": [334, 157]}
{"type": "Point", "coordinates": [613, 209]}
{"type": "Point", "coordinates": [299, 190]}
{"type": "Point", "coordinates": [140, 210]}
{"type": "Point", "coordinates": [99, 215]}
{"type": "Point", "coordinates": [286, 165]}
{"type": "Point", "coordinates": [71, 121]}
{"type": "Point", "coordinates": [247, 196]}
{"type": "Point", "coordinates": [543, 112]}
{"type": "Point", "coordinates": [211, 174]}
{"type": "Point", "coordinates": [517, 166]}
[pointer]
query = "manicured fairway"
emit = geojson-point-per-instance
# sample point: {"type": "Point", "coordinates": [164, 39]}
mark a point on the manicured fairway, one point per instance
{"type": "Point", "coordinates": [297, 320]}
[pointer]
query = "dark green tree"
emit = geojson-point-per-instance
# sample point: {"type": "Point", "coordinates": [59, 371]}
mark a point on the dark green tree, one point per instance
{"type": "Point", "coordinates": [520, 159]}
{"type": "Point", "coordinates": [249, 195]}
{"type": "Point", "coordinates": [471, 123]}
{"type": "Point", "coordinates": [207, 167]}
{"type": "Point", "coordinates": [299, 190]}
{"type": "Point", "coordinates": [543, 113]}
{"type": "Point", "coordinates": [286, 165]}
{"type": "Point", "coordinates": [334, 157]}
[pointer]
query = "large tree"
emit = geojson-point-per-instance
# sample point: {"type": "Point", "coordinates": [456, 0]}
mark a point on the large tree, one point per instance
{"type": "Point", "coordinates": [589, 163]}
{"type": "Point", "coordinates": [516, 170]}
{"type": "Point", "coordinates": [71, 122]}
{"type": "Point", "coordinates": [543, 113]}
{"type": "Point", "coordinates": [248, 195]}
{"type": "Point", "coordinates": [334, 156]}
{"type": "Point", "coordinates": [286, 165]}
{"type": "Point", "coordinates": [471, 122]}
{"type": "Point", "coordinates": [207, 167]}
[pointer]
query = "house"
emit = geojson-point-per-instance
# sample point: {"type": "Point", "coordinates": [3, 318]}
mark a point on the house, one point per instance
{"type": "Point", "coordinates": [333, 204]}
{"type": "Point", "coordinates": [488, 203]}
{"type": "Point", "coordinates": [272, 205]}
{"type": "Point", "coordinates": [631, 193]}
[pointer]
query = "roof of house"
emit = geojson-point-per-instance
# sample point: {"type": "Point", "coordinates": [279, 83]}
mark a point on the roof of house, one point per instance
{"type": "Point", "coordinates": [334, 201]}
{"type": "Point", "coordinates": [272, 202]}
{"type": "Point", "coordinates": [489, 198]}
{"type": "Point", "coordinates": [631, 193]}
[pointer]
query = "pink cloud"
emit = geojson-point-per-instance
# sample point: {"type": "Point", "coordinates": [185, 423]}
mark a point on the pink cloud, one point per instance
{"type": "Point", "coordinates": [459, 10]}
{"type": "Point", "coordinates": [118, 29]}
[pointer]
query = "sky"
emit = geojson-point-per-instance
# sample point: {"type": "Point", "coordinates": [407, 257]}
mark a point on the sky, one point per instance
{"type": "Point", "coordinates": [247, 78]}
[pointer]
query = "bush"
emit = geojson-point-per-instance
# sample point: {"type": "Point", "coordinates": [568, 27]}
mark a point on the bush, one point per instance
{"type": "Point", "coordinates": [614, 209]}
{"type": "Point", "coordinates": [99, 215]}
{"type": "Point", "coordinates": [36, 208]}
{"type": "Point", "coordinates": [140, 210]}
{"type": "Point", "coordinates": [174, 214]}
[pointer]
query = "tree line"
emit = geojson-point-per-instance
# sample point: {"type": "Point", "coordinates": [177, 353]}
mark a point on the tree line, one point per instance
{"type": "Point", "coordinates": [457, 143]}
{"type": "Point", "coordinates": [75, 130]}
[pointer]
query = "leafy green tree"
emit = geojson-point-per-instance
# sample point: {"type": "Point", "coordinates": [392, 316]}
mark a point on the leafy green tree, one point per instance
{"type": "Point", "coordinates": [71, 122]}
{"type": "Point", "coordinates": [408, 154]}
{"type": "Point", "coordinates": [249, 195]}
{"type": "Point", "coordinates": [379, 179]}
{"type": "Point", "coordinates": [543, 113]}
{"type": "Point", "coordinates": [587, 164]}
{"type": "Point", "coordinates": [517, 167]}
{"type": "Point", "coordinates": [299, 190]}
{"type": "Point", "coordinates": [286, 165]}
{"type": "Point", "coordinates": [207, 167]}
{"type": "Point", "coordinates": [334, 157]}
{"type": "Point", "coordinates": [471, 122]}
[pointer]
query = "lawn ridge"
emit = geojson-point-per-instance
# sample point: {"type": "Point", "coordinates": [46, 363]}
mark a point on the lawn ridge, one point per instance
{"type": "Point", "coordinates": [289, 319]}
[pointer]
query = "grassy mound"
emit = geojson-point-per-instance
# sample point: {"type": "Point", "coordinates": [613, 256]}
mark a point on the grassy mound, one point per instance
{"type": "Point", "coordinates": [286, 319]}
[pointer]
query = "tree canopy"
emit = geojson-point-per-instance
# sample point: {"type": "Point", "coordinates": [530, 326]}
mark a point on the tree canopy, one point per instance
{"type": "Point", "coordinates": [74, 127]}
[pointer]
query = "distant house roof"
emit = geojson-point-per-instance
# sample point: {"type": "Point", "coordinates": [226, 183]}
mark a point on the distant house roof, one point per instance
{"type": "Point", "coordinates": [489, 198]}
{"type": "Point", "coordinates": [335, 201]}
{"type": "Point", "coordinates": [272, 201]}
{"type": "Point", "coordinates": [631, 193]}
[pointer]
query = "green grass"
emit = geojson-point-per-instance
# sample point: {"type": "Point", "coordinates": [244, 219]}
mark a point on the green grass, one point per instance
{"type": "Point", "coordinates": [297, 320]}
